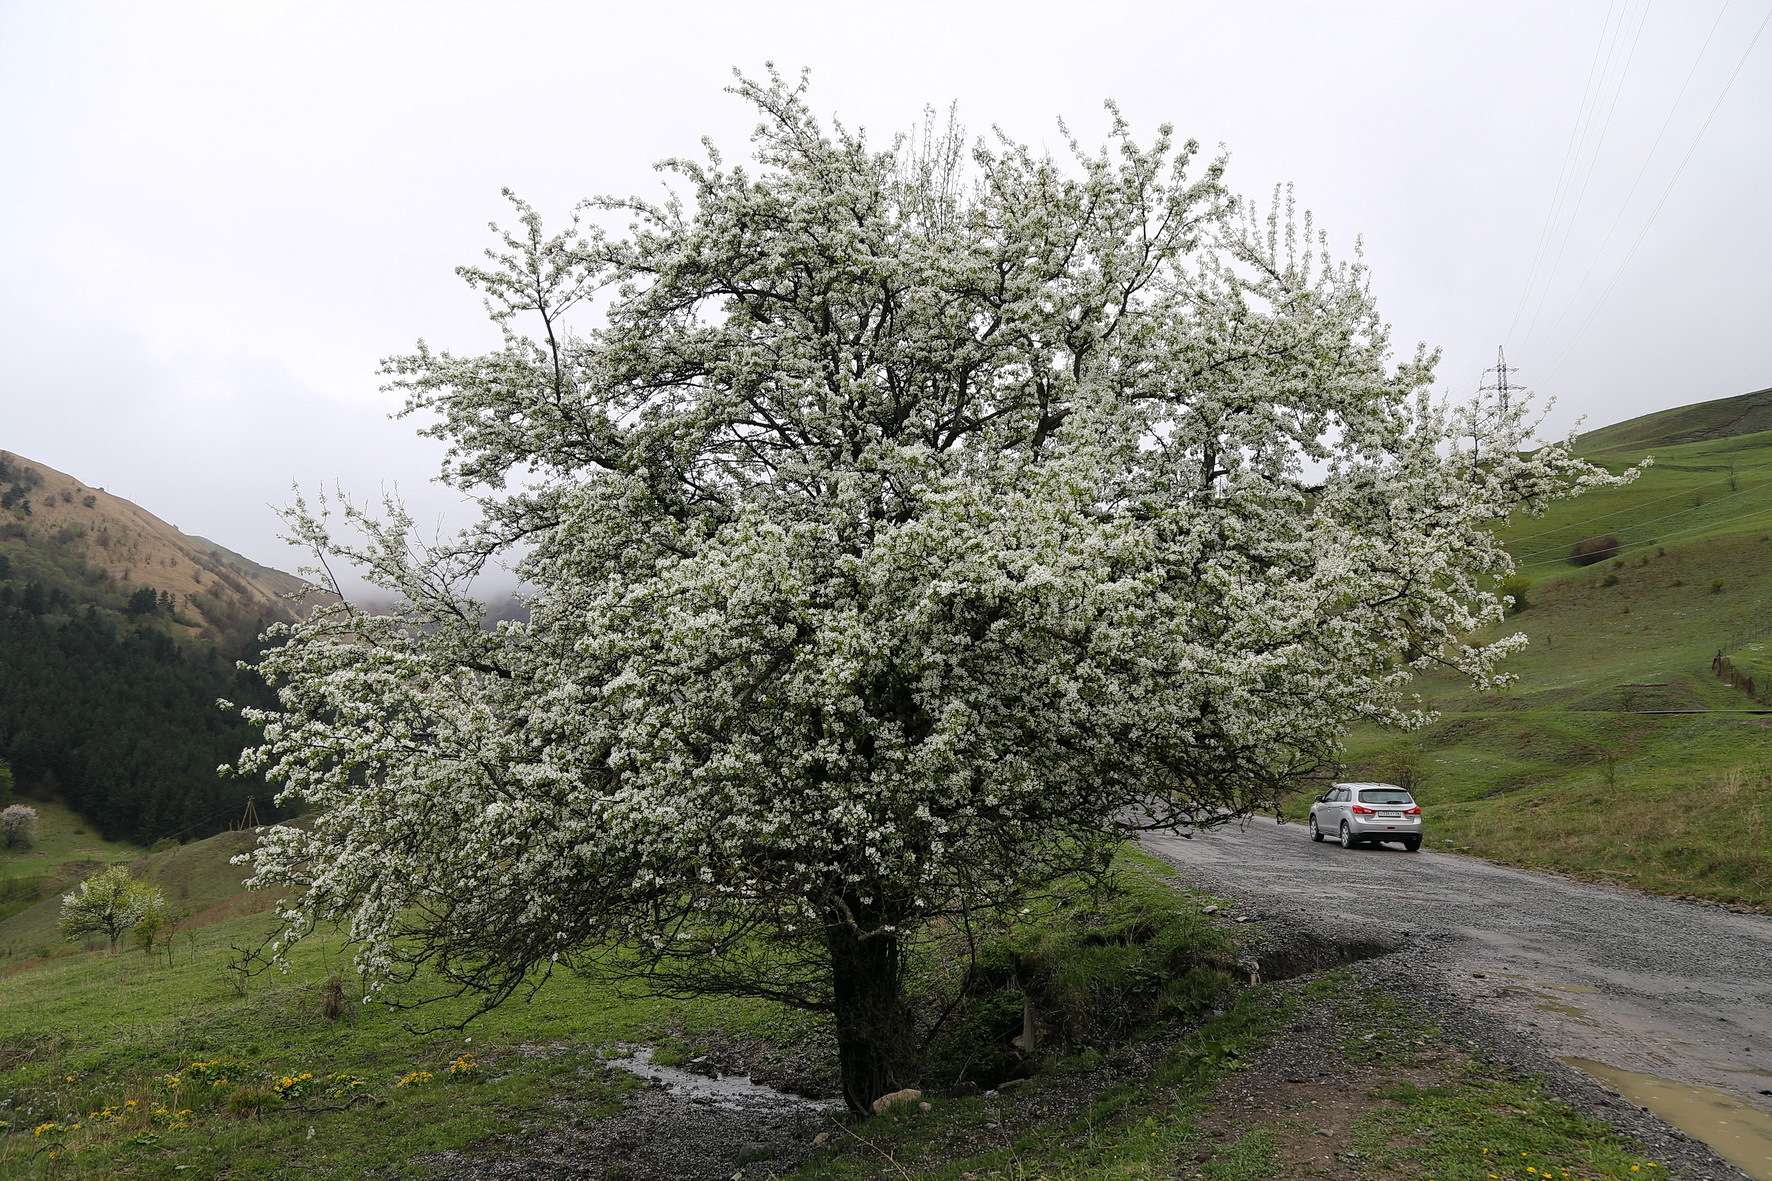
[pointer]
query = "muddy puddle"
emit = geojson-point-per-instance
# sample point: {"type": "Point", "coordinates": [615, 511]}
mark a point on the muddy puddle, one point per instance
{"type": "Point", "coordinates": [732, 1092]}
{"type": "Point", "coordinates": [1740, 1134]}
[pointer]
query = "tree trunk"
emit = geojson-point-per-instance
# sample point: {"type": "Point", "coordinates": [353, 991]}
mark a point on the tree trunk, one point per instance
{"type": "Point", "coordinates": [873, 1022]}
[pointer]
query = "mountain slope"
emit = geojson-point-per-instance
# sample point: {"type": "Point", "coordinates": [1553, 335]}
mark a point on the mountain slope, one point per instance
{"type": "Point", "coordinates": [1618, 752]}
{"type": "Point", "coordinates": [1721, 418]}
{"type": "Point", "coordinates": [84, 547]}
{"type": "Point", "coordinates": [118, 635]}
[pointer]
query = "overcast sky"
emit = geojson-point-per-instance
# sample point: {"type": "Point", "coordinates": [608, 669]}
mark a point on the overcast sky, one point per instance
{"type": "Point", "coordinates": [216, 218]}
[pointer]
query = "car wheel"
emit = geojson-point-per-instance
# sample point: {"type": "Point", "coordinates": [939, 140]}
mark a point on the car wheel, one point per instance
{"type": "Point", "coordinates": [1412, 844]}
{"type": "Point", "coordinates": [1316, 833]}
{"type": "Point", "coordinates": [1347, 836]}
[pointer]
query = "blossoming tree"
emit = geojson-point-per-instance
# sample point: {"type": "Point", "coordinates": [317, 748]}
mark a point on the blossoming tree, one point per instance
{"type": "Point", "coordinates": [908, 526]}
{"type": "Point", "coordinates": [108, 903]}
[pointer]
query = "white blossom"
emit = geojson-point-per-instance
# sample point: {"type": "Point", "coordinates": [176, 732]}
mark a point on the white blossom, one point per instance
{"type": "Point", "coordinates": [902, 539]}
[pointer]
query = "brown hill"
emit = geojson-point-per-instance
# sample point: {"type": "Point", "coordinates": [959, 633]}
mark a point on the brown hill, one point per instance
{"type": "Point", "coordinates": [84, 546]}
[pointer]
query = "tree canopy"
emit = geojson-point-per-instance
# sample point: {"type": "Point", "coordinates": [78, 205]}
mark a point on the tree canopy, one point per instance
{"type": "Point", "coordinates": [908, 526]}
{"type": "Point", "coordinates": [109, 903]}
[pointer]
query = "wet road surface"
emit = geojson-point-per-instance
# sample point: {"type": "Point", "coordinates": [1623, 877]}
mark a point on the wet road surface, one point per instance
{"type": "Point", "coordinates": [1636, 982]}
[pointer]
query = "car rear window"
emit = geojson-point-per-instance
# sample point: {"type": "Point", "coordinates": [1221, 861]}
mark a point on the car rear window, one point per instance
{"type": "Point", "coordinates": [1385, 795]}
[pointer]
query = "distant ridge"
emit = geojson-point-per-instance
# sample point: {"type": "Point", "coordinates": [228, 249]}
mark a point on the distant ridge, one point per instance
{"type": "Point", "coordinates": [88, 547]}
{"type": "Point", "coordinates": [1723, 418]}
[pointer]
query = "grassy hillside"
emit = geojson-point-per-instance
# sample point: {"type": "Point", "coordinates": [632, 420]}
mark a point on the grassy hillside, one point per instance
{"type": "Point", "coordinates": [91, 1038]}
{"type": "Point", "coordinates": [155, 1065]}
{"type": "Point", "coordinates": [1721, 418]}
{"type": "Point", "coordinates": [66, 850]}
{"type": "Point", "coordinates": [1601, 758]}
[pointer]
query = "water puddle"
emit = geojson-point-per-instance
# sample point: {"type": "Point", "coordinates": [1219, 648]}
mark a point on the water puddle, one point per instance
{"type": "Point", "coordinates": [1565, 1010]}
{"type": "Point", "coordinates": [732, 1092]}
{"type": "Point", "coordinates": [1569, 987]}
{"type": "Point", "coordinates": [1740, 1134]}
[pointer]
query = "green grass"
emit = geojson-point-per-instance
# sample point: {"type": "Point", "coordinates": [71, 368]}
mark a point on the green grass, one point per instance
{"type": "Point", "coordinates": [1476, 1120]}
{"type": "Point", "coordinates": [92, 1041]}
{"type": "Point", "coordinates": [1096, 969]}
{"type": "Point", "coordinates": [1133, 1129]}
{"type": "Point", "coordinates": [93, 1031]}
{"type": "Point", "coordinates": [1562, 769]}
{"type": "Point", "coordinates": [84, 1032]}
{"type": "Point", "coordinates": [1482, 1121]}
{"type": "Point", "coordinates": [66, 849]}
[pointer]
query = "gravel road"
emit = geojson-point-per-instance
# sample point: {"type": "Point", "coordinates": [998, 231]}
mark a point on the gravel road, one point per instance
{"type": "Point", "coordinates": [1602, 974]}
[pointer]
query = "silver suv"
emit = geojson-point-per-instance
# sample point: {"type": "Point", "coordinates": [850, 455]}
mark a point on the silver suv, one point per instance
{"type": "Point", "coordinates": [1356, 813]}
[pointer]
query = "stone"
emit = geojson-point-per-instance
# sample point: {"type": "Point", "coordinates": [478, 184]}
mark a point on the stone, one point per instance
{"type": "Point", "coordinates": [925, 1107]}
{"type": "Point", "coordinates": [821, 1137]}
{"type": "Point", "coordinates": [1011, 1084]}
{"type": "Point", "coordinates": [887, 1102]}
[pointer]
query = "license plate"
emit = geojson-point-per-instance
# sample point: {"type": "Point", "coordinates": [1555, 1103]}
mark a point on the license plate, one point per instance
{"type": "Point", "coordinates": [1390, 815]}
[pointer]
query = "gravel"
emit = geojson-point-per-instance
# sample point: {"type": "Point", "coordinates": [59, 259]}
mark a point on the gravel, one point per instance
{"type": "Point", "coordinates": [1534, 968]}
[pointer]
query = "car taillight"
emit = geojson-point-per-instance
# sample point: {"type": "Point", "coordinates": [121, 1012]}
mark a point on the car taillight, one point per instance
{"type": "Point", "coordinates": [1359, 811]}
{"type": "Point", "coordinates": [1415, 811]}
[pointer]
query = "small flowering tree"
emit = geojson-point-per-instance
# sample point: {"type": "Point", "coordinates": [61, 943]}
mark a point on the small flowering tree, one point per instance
{"type": "Point", "coordinates": [905, 535]}
{"type": "Point", "coordinates": [18, 826]}
{"type": "Point", "coordinates": [109, 903]}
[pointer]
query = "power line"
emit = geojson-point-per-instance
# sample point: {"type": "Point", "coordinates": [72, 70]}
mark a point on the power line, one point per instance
{"type": "Point", "coordinates": [1563, 173]}
{"type": "Point", "coordinates": [1679, 172]}
{"type": "Point", "coordinates": [1587, 521]}
{"type": "Point", "coordinates": [1592, 162]}
{"type": "Point", "coordinates": [1641, 172]}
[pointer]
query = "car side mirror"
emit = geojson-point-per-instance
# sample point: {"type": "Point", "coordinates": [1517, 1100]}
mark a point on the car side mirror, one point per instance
{"type": "Point", "coordinates": [1323, 799]}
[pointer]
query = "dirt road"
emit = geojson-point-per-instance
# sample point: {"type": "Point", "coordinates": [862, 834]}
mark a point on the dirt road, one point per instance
{"type": "Point", "coordinates": [1616, 979]}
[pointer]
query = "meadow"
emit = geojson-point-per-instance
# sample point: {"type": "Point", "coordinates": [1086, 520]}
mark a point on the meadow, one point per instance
{"type": "Point", "coordinates": [1617, 752]}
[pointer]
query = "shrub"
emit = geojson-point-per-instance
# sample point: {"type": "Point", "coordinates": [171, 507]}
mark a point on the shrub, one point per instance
{"type": "Point", "coordinates": [1609, 580]}
{"type": "Point", "coordinates": [153, 922]}
{"type": "Point", "coordinates": [1716, 586]}
{"type": "Point", "coordinates": [1513, 589]}
{"type": "Point", "coordinates": [1407, 766]}
{"type": "Point", "coordinates": [18, 823]}
{"type": "Point", "coordinates": [1591, 550]}
{"type": "Point", "coordinates": [1087, 975]}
